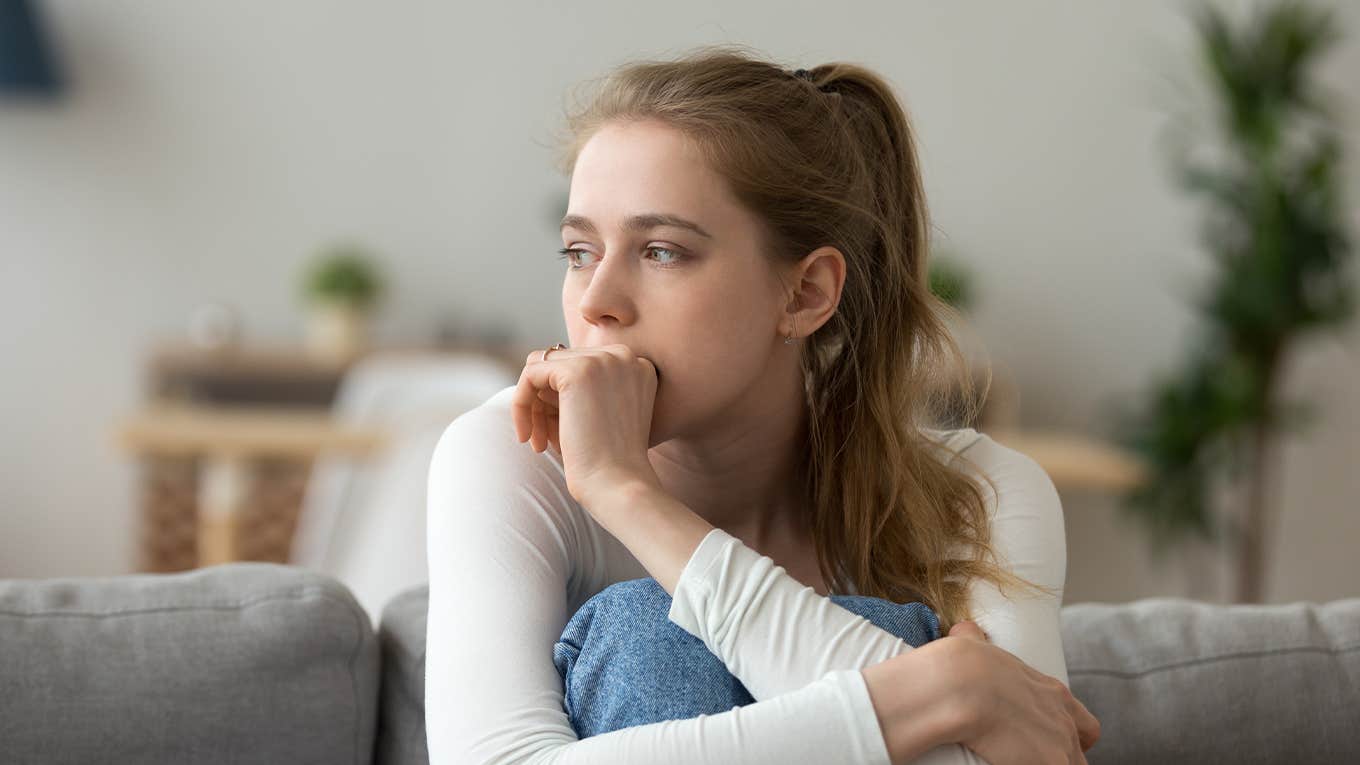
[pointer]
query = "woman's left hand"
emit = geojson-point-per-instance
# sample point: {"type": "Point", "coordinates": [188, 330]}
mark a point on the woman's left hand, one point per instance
{"type": "Point", "coordinates": [594, 405]}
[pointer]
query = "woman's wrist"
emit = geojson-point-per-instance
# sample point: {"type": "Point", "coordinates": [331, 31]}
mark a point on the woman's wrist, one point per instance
{"type": "Point", "coordinates": [916, 710]}
{"type": "Point", "coordinates": [661, 532]}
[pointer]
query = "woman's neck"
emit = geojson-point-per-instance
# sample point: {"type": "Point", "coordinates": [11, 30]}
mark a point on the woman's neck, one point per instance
{"type": "Point", "coordinates": [744, 474]}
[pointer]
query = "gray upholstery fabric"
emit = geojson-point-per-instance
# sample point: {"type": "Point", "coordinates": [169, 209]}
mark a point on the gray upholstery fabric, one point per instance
{"type": "Point", "coordinates": [244, 662]}
{"type": "Point", "coordinates": [401, 721]}
{"type": "Point", "coordinates": [1181, 681]}
{"type": "Point", "coordinates": [258, 662]}
{"type": "Point", "coordinates": [1171, 680]}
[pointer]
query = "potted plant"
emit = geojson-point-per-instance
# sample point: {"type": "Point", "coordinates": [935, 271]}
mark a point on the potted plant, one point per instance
{"type": "Point", "coordinates": [341, 288]}
{"type": "Point", "coordinates": [1277, 232]}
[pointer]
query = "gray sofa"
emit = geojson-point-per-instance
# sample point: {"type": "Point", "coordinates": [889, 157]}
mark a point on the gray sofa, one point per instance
{"type": "Point", "coordinates": [266, 663]}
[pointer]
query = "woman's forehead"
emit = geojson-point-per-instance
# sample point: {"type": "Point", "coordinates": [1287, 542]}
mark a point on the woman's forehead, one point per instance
{"type": "Point", "coordinates": [644, 169]}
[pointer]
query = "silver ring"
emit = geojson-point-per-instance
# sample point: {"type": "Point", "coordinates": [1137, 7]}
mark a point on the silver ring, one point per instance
{"type": "Point", "coordinates": [554, 347]}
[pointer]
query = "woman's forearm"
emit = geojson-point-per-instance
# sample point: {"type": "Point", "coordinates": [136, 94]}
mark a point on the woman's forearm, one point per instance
{"type": "Point", "coordinates": [907, 690]}
{"type": "Point", "coordinates": [659, 530]}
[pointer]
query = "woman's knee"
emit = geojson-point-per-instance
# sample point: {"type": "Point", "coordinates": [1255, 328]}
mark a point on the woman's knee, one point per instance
{"type": "Point", "coordinates": [914, 622]}
{"type": "Point", "coordinates": [624, 663]}
{"type": "Point", "coordinates": [629, 621]}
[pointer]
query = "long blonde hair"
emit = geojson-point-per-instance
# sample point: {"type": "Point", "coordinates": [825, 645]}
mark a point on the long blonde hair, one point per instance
{"type": "Point", "coordinates": [832, 161]}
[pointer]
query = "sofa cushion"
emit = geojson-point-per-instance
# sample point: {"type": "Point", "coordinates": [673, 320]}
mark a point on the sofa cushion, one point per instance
{"type": "Point", "coordinates": [1182, 681]}
{"type": "Point", "coordinates": [1171, 680]}
{"type": "Point", "coordinates": [401, 722]}
{"type": "Point", "coordinates": [241, 662]}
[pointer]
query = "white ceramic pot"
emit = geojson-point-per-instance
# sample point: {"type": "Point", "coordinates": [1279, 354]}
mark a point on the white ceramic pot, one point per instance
{"type": "Point", "coordinates": [336, 331]}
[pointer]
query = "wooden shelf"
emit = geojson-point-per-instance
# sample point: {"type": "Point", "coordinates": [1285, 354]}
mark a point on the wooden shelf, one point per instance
{"type": "Point", "coordinates": [227, 443]}
{"type": "Point", "coordinates": [1075, 461]}
{"type": "Point", "coordinates": [228, 436]}
{"type": "Point", "coordinates": [176, 429]}
{"type": "Point", "coordinates": [283, 374]}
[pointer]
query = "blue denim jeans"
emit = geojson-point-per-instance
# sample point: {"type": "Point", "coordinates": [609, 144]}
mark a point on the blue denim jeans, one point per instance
{"type": "Point", "coordinates": [624, 663]}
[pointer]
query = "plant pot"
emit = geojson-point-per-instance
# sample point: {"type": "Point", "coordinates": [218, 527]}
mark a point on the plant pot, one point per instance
{"type": "Point", "coordinates": [336, 331]}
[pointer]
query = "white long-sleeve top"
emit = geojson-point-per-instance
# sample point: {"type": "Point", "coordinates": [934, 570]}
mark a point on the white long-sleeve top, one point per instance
{"type": "Point", "coordinates": [512, 556]}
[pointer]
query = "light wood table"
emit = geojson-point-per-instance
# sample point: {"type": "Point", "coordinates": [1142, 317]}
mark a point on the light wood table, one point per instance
{"type": "Point", "coordinates": [228, 438]}
{"type": "Point", "coordinates": [1075, 461]}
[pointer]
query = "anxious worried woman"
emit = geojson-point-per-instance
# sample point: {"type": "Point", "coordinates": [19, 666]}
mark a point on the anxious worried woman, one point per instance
{"type": "Point", "coordinates": [742, 417]}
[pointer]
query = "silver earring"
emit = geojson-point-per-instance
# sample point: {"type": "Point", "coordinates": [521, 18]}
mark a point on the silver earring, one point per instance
{"type": "Point", "coordinates": [789, 340]}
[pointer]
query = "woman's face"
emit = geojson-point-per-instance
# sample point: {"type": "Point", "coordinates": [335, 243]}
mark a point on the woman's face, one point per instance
{"type": "Point", "coordinates": [701, 303]}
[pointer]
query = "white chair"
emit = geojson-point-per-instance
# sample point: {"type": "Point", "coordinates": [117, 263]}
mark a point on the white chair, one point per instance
{"type": "Point", "coordinates": [363, 522]}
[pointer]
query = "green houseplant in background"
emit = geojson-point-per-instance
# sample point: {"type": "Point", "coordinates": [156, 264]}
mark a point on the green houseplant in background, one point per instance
{"type": "Point", "coordinates": [951, 281]}
{"type": "Point", "coordinates": [1276, 232]}
{"type": "Point", "coordinates": [341, 288]}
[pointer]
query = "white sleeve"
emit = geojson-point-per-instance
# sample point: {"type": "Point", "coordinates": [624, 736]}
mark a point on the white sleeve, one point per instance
{"type": "Point", "coordinates": [775, 634]}
{"type": "Point", "coordinates": [501, 552]}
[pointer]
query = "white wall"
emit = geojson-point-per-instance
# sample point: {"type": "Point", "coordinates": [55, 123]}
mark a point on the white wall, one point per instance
{"type": "Point", "coordinates": [205, 150]}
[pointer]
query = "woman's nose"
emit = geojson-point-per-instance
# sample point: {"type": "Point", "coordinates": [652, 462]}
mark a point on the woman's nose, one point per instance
{"type": "Point", "coordinates": [608, 293]}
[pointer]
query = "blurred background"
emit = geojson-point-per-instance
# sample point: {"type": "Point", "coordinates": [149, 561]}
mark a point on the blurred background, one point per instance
{"type": "Point", "coordinates": [256, 255]}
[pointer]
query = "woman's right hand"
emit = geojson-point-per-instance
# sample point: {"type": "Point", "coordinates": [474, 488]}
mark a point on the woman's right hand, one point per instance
{"type": "Point", "coordinates": [1009, 712]}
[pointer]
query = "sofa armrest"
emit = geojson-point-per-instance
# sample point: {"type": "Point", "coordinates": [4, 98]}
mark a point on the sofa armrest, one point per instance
{"type": "Point", "coordinates": [401, 723]}
{"type": "Point", "coordinates": [241, 662]}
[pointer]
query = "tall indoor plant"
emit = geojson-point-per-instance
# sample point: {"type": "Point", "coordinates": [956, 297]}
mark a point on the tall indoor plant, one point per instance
{"type": "Point", "coordinates": [1276, 231]}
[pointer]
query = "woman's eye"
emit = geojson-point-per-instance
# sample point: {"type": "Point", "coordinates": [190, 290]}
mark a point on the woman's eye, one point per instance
{"type": "Point", "coordinates": [568, 254]}
{"type": "Point", "coordinates": [669, 259]}
{"type": "Point", "coordinates": [675, 257]}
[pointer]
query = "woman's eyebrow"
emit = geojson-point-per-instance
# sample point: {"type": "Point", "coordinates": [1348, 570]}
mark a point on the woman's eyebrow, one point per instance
{"type": "Point", "coordinates": [639, 222]}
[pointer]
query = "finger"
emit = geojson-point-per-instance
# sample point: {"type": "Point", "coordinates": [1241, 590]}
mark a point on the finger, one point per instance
{"type": "Point", "coordinates": [540, 436]}
{"type": "Point", "coordinates": [1088, 727]}
{"type": "Point", "coordinates": [552, 432]}
{"type": "Point", "coordinates": [619, 351]}
{"type": "Point", "coordinates": [647, 364]}
{"type": "Point", "coordinates": [626, 353]}
{"type": "Point", "coordinates": [548, 396]}
{"type": "Point", "coordinates": [535, 377]}
{"type": "Point", "coordinates": [550, 420]}
{"type": "Point", "coordinates": [521, 405]}
{"type": "Point", "coordinates": [967, 628]}
{"type": "Point", "coordinates": [1076, 752]}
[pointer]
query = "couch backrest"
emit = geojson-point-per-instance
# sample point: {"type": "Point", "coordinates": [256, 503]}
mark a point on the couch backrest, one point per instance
{"type": "Point", "coordinates": [1182, 681]}
{"type": "Point", "coordinates": [260, 662]}
{"type": "Point", "coordinates": [1171, 680]}
{"type": "Point", "coordinates": [244, 662]}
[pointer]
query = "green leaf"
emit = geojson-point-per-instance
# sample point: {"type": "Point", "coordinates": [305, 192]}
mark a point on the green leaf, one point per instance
{"type": "Point", "coordinates": [343, 273]}
{"type": "Point", "coordinates": [1275, 227]}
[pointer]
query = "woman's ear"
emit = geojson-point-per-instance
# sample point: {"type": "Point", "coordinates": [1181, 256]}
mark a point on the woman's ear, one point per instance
{"type": "Point", "coordinates": [818, 280]}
